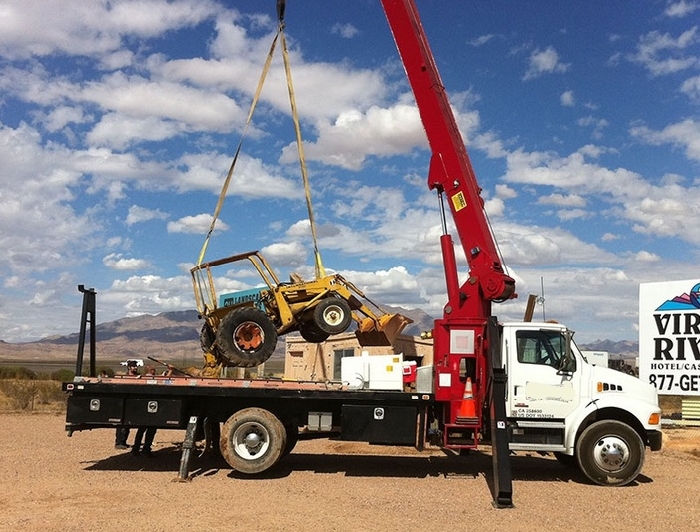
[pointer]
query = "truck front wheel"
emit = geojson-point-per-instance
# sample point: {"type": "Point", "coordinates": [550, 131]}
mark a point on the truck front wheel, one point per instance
{"type": "Point", "coordinates": [252, 440]}
{"type": "Point", "coordinates": [610, 453]}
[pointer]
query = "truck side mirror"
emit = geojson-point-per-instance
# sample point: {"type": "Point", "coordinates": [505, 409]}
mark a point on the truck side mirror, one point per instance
{"type": "Point", "coordinates": [567, 365]}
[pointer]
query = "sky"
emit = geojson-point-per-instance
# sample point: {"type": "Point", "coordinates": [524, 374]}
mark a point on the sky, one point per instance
{"type": "Point", "coordinates": [119, 121]}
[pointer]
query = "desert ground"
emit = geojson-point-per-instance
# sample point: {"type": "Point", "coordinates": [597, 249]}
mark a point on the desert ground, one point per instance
{"type": "Point", "coordinates": [52, 482]}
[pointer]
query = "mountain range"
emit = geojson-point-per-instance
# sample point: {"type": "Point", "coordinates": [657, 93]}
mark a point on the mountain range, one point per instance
{"type": "Point", "coordinates": [173, 337]}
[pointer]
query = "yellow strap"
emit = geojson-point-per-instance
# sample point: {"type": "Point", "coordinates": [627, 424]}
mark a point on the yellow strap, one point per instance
{"type": "Point", "coordinates": [222, 196]}
{"type": "Point", "coordinates": [320, 270]}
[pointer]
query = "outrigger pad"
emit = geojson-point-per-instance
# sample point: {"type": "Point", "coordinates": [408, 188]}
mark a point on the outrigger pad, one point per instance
{"type": "Point", "coordinates": [383, 332]}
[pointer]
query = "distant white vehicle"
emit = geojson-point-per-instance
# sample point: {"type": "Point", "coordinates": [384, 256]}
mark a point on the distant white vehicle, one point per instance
{"type": "Point", "coordinates": [596, 358]}
{"type": "Point", "coordinates": [133, 362]}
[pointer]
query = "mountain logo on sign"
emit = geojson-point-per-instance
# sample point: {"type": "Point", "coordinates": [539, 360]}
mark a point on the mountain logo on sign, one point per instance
{"type": "Point", "coordinates": [689, 301]}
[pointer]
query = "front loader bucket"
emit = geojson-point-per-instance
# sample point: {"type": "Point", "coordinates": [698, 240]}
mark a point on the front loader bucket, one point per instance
{"type": "Point", "coordinates": [382, 331]}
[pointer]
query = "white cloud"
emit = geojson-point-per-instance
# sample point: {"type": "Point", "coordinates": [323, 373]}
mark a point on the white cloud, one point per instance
{"type": "Point", "coordinates": [481, 40]}
{"type": "Point", "coordinates": [137, 97]}
{"type": "Point", "coordinates": [37, 28]}
{"type": "Point", "coordinates": [505, 192]}
{"type": "Point", "coordinates": [685, 134]}
{"type": "Point", "coordinates": [117, 262]}
{"type": "Point", "coordinates": [545, 62]}
{"type": "Point", "coordinates": [571, 200]}
{"type": "Point", "coordinates": [388, 286]}
{"type": "Point", "coordinates": [61, 116]}
{"type": "Point", "coordinates": [292, 254]}
{"type": "Point", "coordinates": [662, 54]}
{"type": "Point", "coordinates": [645, 256]}
{"type": "Point", "coordinates": [667, 210]}
{"type": "Point", "coordinates": [198, 224]}
{"type": "Point", "coordinates": [119, 132]}
{"type": "Point", "coordinates": [252, 178]}
{"type": "Point", "coordinates": [691, 88]}
{"type": "Point", "coordinates": [346, 31]}
{"type": "Point", "coordinates": [379, 131]}
{"type": "Point", "coordinates": [140, 214]}
{"type": "Point", "coordinates": [147, 294]}
{"type": "Point", "coordinates": [681, 8]}
{"type": "Point", "coordinates": [40, 226]}
{"type": "Point", "coordinates": [355, 135]}
{"type": "Point", "coordinates": [567, 99]}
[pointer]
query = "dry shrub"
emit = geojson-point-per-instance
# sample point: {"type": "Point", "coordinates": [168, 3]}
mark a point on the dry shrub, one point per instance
{"type": "Point", "coordinates": [23, 394]}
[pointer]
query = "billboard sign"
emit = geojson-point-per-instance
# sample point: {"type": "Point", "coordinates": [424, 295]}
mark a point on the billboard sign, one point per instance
{"type": "Point", "coordinates": [669, 336]}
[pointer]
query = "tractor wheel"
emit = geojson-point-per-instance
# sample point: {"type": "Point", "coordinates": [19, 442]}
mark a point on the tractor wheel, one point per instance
{"type": "Point", "coordinates": [312, 333]}
{"type": "Point", "coordinates": [252, 440]}
{"type": "Point", "coordinates": [246, 337]}
{"type": "Point", "coordinates": [610, 453]}
{"type": "Point", "coordinates": [332, 315]}
{"type": "Point", "coordinates": [206, 337]}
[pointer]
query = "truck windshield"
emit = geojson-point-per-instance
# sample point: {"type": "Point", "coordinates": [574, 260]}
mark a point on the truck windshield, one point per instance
{"type": "Point", "coordinates": [547, 348]}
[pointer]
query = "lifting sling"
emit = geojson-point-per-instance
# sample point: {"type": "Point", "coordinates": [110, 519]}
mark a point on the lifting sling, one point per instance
{"type": "Point", "coordinates": [318, 264]}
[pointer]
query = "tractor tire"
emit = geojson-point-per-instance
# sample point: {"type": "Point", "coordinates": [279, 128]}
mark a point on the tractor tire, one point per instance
{"type": "Point", "coordinates": [332, 315]}
{"type": "Point", "coordinates": [206, 338]}
{"type": "Point", "coordinates": [312, 333]}
{"type": "Point", "coordinates": [252, 440]}
{"type": "Point", "coordinates": [246, 337]}
{"type": "Point", "coordinates": [610, 453]}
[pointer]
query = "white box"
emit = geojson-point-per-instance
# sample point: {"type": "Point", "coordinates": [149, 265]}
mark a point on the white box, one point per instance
{"type": "Point", "coordinates": [354, 371]}
{"type": "Point", "coordinates": [385, 372]}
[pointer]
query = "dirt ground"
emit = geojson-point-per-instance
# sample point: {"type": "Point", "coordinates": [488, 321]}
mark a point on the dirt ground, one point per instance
{"type": "Point", "coordinates": [50, 482]}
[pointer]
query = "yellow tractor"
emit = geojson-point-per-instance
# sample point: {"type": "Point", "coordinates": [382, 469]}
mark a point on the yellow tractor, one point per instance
{"type": "Point", "coordinates": [241, 328]}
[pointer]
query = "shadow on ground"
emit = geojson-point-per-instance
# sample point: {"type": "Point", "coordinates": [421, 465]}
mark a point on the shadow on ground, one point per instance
{"type": "Point", "coordinates": [478, 464]}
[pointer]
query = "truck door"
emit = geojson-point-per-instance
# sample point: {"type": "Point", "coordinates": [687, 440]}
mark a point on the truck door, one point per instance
{"type": "Point", "coordinates": [537, 388]}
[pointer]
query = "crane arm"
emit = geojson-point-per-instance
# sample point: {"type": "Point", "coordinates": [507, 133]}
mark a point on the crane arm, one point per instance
{"type": "Point", "coordinates": [450, 172]}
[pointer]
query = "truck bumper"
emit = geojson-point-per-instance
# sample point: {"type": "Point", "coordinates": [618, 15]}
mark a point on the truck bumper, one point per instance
{"type": "Point", "coordinates": [654, 439]}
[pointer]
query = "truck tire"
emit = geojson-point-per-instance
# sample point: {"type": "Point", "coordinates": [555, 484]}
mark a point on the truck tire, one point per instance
{"type": "Point", "coordinates": [312, 333]}
{"type": "Point", "coordinates": [610, 453]}
{"type": "Point", "coordinates": [332, 315]}
{"type": "Point", "coordinates": [252, 440]}
{"type": "Point", "coordinates": [292, 432]}
{"type": "Point", "coordinates": [246, 337]}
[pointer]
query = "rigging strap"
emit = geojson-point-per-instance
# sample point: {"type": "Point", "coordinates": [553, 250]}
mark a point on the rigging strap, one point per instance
{"type": "Point", "coordinates": [224, 189]}
{"type": "Point", "coordinates": [319, 269]}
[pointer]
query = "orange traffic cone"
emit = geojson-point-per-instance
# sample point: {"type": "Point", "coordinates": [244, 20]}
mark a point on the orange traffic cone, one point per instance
{"type": "Point", "coordinates": [467, 408]}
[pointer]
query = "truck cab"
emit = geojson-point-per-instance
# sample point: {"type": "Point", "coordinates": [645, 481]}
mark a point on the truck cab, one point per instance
{"type": "Point", "coordinates": [596, 418]}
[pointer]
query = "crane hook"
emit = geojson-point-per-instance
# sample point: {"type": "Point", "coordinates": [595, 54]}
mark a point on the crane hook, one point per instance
{"type": "Point", "coordinates": [280, 10]}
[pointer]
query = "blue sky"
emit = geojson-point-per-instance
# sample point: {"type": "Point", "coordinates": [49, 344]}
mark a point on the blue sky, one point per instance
{"type": "Point", "coordinates": [119, 119]}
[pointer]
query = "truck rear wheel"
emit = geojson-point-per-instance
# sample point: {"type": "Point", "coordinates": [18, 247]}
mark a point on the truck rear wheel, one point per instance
{"type": "Point", "coordinates": [246, 337]}
{"type": "Point", "coordinates": [332, 315]}
{"type": "Point", "coordinates": [292, 438]}
{"type": "Point", "coordinates": [610, 453]}
{"type": "Point", "coordinates": [252, 440]}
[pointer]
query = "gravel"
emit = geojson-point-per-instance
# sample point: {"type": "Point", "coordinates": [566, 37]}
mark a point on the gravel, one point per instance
{"type": "Point", "coordinates": [50, 482]}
